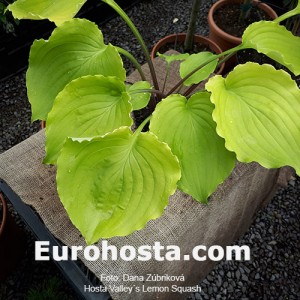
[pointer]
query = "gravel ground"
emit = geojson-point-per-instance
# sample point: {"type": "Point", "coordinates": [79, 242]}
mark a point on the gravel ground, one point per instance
{"type": "Point", "coordinates": [272, 273]}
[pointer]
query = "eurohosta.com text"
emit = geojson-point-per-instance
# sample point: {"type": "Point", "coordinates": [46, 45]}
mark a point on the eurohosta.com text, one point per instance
{"type": "Point", "coordinates": [157, 251]}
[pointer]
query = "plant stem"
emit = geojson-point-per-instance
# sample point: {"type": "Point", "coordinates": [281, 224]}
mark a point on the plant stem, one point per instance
{"type": "Point", "coordinates": [289, 14]}
{"type": "Point", "coordinates": [141, 126]}
{"type": "Point", "coordinates": [152, 91]}
{"type": "Point", "coordinates": [166, 78]}
{"type": "Point", "coordinates": [191, 89]}
{"type": "Point", "coordinates": [179, 89]}
{"type": "Point", "coordinates": [225, 58]}
{"type": "Point", "coordinates": [136, 33]}
{"type": "Point", "coordinates": [188, 43]}
{"type": "Point", "coordinates": [133, 60]}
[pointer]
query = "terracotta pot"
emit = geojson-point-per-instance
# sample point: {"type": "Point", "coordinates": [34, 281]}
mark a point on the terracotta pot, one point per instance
{"type": "Point", "coordinates": [12, 242]}
{"type": "Point", "coordinates": [180, 37]}
{"type": "Point", "coordinates": [225, 40]}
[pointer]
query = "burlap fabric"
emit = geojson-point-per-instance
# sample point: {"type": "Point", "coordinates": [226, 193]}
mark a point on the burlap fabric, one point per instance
{"type": "Point", "coordinates": [185, 222]}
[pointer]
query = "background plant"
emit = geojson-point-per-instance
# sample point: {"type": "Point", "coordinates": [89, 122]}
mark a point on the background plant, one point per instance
{"type": "Point", "coordinates": [7, 21]}
{"type": "Point", "coordinates": [50, 289]}
{"type": "Point", "coordinates": [112, 180]}
{"type": "Point", "coordinates": [293, 23]}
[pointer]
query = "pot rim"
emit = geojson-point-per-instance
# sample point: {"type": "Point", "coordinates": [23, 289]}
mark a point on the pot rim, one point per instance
{"type": "Point", "coordinates": [220, 3]}
{"type": "Point", "coordinates": [4, 214]}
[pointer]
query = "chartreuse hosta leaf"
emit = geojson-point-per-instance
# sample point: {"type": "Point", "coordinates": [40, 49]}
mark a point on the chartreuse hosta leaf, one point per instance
{"type": "Point", "coordinates": [139, 99]}
{"type": "Point", "coordinates": [74, 49]}
{"type": "Point", "coordinates": [88, 106]}
{"type": "Point", "coordinates": [169, 58]}
{"type": "Point", "coordinates": [194, 61]}
{"type": "Point", "coordinates": [188, 128]}
{"type": "Point", "coordinates": [55, 10]}
{"type": "Point", "coordinates": [275, 41]}
{"type": "Point", "coordinates": [257, 112]}
{"type": "Point", "coordinates": [115, 183]}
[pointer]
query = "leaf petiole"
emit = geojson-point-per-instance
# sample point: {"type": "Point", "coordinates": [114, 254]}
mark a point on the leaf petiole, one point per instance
{"type": "Point", "coordinates": [151, 91]}
{"type": "Point", "coordinates": [141, 126]}
{"type": "Point", "coordinates": [136, 33]}
{"type": "Point", "coordinates": [133, 60]}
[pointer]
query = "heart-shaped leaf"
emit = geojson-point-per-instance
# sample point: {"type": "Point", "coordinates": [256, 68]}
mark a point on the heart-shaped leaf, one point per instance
{"type": "Point", "coordinates": [113, 185]}
{"type": "Point", "coordinates": [257, 112]}
{"type": "Point", "coordinates": [139, 99]}
{"type": "Point", "coordinates": [86, 107]}
{"type": "Point", "coordinates": [74, 49]}
{"type": "Point", "coordinates": [194, 61]}
{"type": "Point", "coordinates": [54, 10]}
{"type": "Point", "coordinates": [274, 41]}
{"type": "Point", "coordinates": [188, 128]}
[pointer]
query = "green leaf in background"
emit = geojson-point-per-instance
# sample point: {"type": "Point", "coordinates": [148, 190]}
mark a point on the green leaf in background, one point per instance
{"type": "Point", "coordinates": [169, 58]}
{"type": "Point", "coordinates": [56, 11]}
{"type": "Point", "coordinates": [194, 61]}
{"type": "Point", "coordinates": [138, 99]}
{"type": "Point", "coordinates": [116, 183]}
{"type": "Point", "coordinates": [257, 112]}
{"type": "Point", "coordinates": [86, 107]}
{"type": "Point", "coordinates": [74, 49]}
{"type": "Point", "coordinates": [188, 128]}
{"type": "Point", "coordinates": [289, 14]}
{"type": "Point", "coordinates": [275, 41]}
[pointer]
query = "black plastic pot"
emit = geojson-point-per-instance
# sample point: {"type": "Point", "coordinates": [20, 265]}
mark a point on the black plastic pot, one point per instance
{"type": "Point", "coordinates": [12, 242]}
{"type": "Point", "coordinates": [14, 48]}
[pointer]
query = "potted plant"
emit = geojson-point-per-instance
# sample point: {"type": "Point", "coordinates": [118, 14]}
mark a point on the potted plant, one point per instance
{"type": "Point", "coordinates": [111, 179]}
{"type": "Point", "coordinates": [187, 42]}
{"type": "Point", "coordinates": [12, 241]}
{"type": "Point", "coordinates": [227, 20]}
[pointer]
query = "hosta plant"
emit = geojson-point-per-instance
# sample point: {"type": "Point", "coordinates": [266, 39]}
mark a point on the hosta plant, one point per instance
{"type": "Point", "coordinates": [112, 179]}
